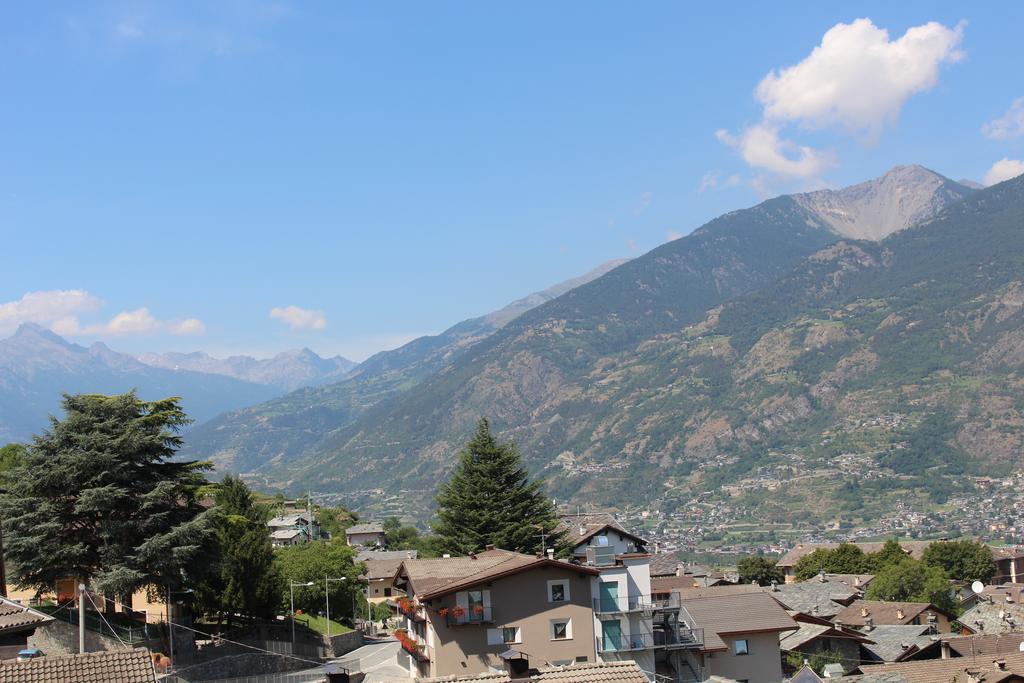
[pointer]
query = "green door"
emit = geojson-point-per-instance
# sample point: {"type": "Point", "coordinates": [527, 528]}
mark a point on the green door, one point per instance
{"type": "Point", "coordinates": [609, 595]}
{"type": "Point", "coordinates": [611, 635]}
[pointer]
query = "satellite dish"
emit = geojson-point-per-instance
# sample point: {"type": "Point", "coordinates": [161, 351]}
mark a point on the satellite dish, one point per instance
{"type": "Point", "coordinates": [978, 587]}
{"type": "Point", "coordinates": [1021, 646]}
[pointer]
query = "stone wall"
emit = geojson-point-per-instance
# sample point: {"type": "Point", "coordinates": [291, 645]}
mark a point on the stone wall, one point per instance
{"type": "Point", "coordinates": [60, 638]}
{"type": "Point", "coordinates": [346, 642]}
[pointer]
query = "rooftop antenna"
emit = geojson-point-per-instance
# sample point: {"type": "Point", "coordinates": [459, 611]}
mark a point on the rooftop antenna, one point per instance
{"type": "Point", "coordinates": [543, 539]}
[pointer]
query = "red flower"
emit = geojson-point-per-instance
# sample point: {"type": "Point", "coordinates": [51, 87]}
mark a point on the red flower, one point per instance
{"type": "Point", "coordinates": [478, 609]}
{"type": "Point", "coordinates": [458, 611]}
{"type": "Point", "coordinates": [443, 612]}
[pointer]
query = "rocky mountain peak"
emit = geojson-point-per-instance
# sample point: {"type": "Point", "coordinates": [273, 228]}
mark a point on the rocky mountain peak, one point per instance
{"type": "Point", "coordinates": [875, 209]}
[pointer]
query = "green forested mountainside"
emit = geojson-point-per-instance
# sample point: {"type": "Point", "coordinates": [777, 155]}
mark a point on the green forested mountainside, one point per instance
{"type": "Point", "coordinates": [906, 352]}
{"type": "Point", "coordinates": [286, 427]}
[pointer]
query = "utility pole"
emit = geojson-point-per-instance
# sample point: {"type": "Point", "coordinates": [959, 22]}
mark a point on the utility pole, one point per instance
{"type": "Point", "coordinates": [81, 618]}
{"type": "Point", "coordinates": [3, 575]}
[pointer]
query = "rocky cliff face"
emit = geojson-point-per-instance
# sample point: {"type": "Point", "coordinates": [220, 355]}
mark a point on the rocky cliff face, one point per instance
{"type": "Point", "coordinates": [875, 209]}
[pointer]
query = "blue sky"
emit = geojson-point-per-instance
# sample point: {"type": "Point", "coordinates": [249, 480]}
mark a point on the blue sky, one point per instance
{"type": "Point", "coordinates": [246, 176]}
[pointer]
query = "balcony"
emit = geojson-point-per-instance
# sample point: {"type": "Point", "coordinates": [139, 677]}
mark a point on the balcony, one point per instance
{"type": "Point", "coordinates": [468, 616]}
{"type": "Point", "coordinates": [636, 603]}
{"type": "Point", "coordinates": [410, 645]}
{"type": "Point", "coordinates": [687, 638]}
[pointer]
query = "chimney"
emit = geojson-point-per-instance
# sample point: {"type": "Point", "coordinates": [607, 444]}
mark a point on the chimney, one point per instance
{"type": "Point", "coordinates": [583, 530]}
{"type": "Point", "coordinates": [821, 576]}
{"type": "Point", "coordinates": [1000, 664]}
{"type": "Point", "coordinates": [489, 546]}
{"type": "Point", "coordinates": [899, 612]}
{"type": "Point", "coordinates": [856, 581]}
{"type": "Point", "coordinates": [657, 547]}
{"type": "Point", "coordinates": [551, 553]}
{"type": "Point", "coordinates": [447, 556]}
{"type": "Point", "coordinates": [869, 623]}
{"type": "Point", "coordinates": [775, 587]}
{"type": "Point", "coordinates": [472, 556]}
{"type": "Point", "coordinates": [944, 647]}
{"type": "Point", "coordinates": [864, 611]}
{"type": "Point", "coordinates": [814, 611]}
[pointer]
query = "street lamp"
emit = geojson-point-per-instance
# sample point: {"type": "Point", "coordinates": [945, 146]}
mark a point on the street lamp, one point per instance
{"type": "Point", "coordinates": [170, 621]}
{"type": "Point", "coordinates": [291, 589]}
{"type": "Point", "coordinates": [327, 596]}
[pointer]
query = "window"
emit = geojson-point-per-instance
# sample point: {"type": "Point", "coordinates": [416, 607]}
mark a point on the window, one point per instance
{"type": "Point", "coordinates": [387, 592]}
{"type": "Point", "coordinates": [507, 635]}
{"type": "Point", "coordinates": [558, 591]}
{"type": "Point", "coordinates": [740, 647]}
{"type": "Point", "coordinates": [561, 629]}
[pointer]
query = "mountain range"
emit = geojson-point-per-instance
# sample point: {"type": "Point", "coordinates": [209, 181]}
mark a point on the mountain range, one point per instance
{"type": "Point", "coordinates": [287, 371]}
{"type": "Point", "coordinates": [766, 331]}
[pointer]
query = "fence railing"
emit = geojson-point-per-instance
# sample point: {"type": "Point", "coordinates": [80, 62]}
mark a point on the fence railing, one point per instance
{"type": "Point", "coordinates": [607, 604]}
{"type": "Point", "coordinates": [136, 633]}
{"type": "Point", "coordinates": [472, 615]}
{"type": "Point", "coordinates": [627, 642]}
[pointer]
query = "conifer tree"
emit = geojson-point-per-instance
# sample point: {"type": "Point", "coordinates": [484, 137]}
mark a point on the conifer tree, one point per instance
{"type": "Point", "coordinates": [490, 499]}
{"type": "Point", "coordinates": [241, 576]}
{"type": "Point", "coordinates": [99, 497]}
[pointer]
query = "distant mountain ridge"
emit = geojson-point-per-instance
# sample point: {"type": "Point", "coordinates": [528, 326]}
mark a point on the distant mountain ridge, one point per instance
{"type": "Point", "coordinates": [288, 370]}
{"type": "Point", "coordinates": [275, 432]}
{"type": "Point", "coordinates": [37, 366]}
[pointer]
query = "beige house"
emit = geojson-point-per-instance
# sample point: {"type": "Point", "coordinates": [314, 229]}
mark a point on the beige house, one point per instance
{"type": "Point", "coordinates": [741, 635]}
{"type": "Point", "coordinates": [381, 567]}
{"type": "Point", "coordinates": [496, 611]}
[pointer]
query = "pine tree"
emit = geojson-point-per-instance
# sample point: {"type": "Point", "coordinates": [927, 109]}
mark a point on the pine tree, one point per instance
{"type": "Point", "coordinates": [241, 577]}
{"type": "Point", "coordinates": [99, 497]}
{"type": "Point", "coordinates": [490, 499]}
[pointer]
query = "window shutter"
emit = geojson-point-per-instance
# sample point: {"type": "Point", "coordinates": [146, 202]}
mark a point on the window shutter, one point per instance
{"type": "Point", "coordinates": [462, 600]}
{"type": "Point", "coordinates": [487, 599]}
{"type": "Point", "coordinates": [494, 636]}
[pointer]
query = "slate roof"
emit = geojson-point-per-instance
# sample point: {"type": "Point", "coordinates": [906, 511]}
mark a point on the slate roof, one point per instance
{"type": "Point", "coordinates": [368, 528]}
{"type": "Point", "coordinates": [16, 617]}
{"type": "Point", "coordinates": [664, 564]}
{"type": "Point", "coordinates": [821, 598]}
{"type": "Point", "coordinates": [286, 534]}
{"type": "Point", "coordinates": [895, 642]}
{"type": "Point", "coordinates": [384, 564]}
{"type": "Point", "coordinates": [596, 672]}
{"type": "Point", "coordinates": [114, 666]}
{"type": "Point", "coordinates": [288, 521]}
{"type": "Point", "coordinates": [434, 577]}
{"type": "Point", "coordinates": [957, 669]}
{"type": "Point", "coordinates": [735, 613]}
{"type": "Point", "coordinates": [914, 548]}
{"type": "Point", "coordinates": [580, 528]}
{"type": "Point", "coordinates": [994, 617]}
{"type": "Point", "coordinates": [883, 612]}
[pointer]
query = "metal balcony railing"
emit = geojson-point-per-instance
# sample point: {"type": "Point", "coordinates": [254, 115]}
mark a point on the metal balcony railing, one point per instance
{"type": "Point", "coordinates": [469, 615]}
{"type": "Point", "coordinates": [635, 603]}
{"type": "Point", "coordinates": [627, 642]}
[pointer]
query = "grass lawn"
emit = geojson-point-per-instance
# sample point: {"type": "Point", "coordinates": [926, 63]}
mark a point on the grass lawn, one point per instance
{"type": "Point", "coordinates": [319, 624]}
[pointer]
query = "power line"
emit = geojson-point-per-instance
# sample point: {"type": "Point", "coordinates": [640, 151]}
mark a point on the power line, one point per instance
{"type": "Point", "coordinates": [100, 612]}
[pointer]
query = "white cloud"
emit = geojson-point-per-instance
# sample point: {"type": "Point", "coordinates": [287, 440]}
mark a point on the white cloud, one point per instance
{"type": "Point", "coordinates": [1009, 125]}
{"type": "Point", "coordinates": [857, 80]}
{"type": "Point", "coordinates": [761, 147]}
{"type": "Point", "coordinates": [1004, 169]}
{"type": "Point", "coordinates": [645, 203]}
{"type": "Point", "coordinates": [138, 322]}
{"type": "Point", "coordinates": [46, 307]}
{"type": "Point", "coordinates": [299, 318]}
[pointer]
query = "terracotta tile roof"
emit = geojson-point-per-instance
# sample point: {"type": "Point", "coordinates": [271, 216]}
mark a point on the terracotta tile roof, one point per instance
{"type": "Point", "coordinates": [793, 640]}
{"type": "Point", "coordinates": [579, 528]}
{"type": "Point", "coordinates": [115, 666]}
{"type": "Point", "coordinates": [736, 613]}
{"type": "Point", "coordinates": [597, 672]}
{"type": "Point", "coordinates": [16, 617]}
{"type": "Point", "coordinates": [438, 576]}
{"type": "Point", "coordinates": [958, 669]}
{"type": "Point", "coordinates": [915, 548]}
{"type": "Point", "coordinates": [482, 678]}
{"type": "Point", "coordinates": [984, 645]}
{"type": "Point", "coordinates": [882, 612]}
